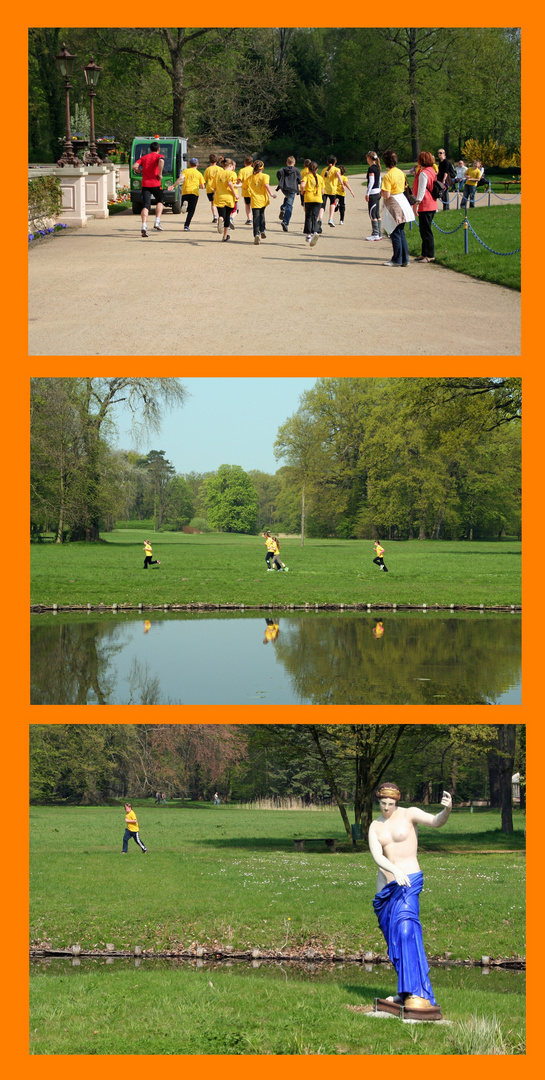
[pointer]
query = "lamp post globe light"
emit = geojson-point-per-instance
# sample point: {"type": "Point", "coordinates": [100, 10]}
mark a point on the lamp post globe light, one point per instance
{"type": "Point", "coordinates": [92, 74]}
{"type": "Point", "coordinates": [65, 64]}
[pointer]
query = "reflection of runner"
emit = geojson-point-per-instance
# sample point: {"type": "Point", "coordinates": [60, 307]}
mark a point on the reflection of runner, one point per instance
{"type": "Point", "coordinates": [379, 552]}
{"type": "Point", "coordinates": [147, 626]}
{"type": "Point", "coordinates": [272, 631]}
{"type": "Point", "coordinates": [378, 628]}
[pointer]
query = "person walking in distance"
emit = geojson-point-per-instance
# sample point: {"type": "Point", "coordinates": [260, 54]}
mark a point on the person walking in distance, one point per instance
{"type": "Point", "coordinates": [148, 560]}
{"type": "Point", "coordinates": [131, 829]}
{"type": "Point", "coordinates": [260, 196]}
{"type": "Point", "coordinates": [379, 556]}
{"type": "Point", "coordinates": [312, 187]}
{"type": "Point", "coordinates": [151, 166]}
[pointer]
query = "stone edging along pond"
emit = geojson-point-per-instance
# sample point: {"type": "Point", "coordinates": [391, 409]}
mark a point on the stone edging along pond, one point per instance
{"type": "Point", "coordinates": [41, 608]}
{"type": "Point", "coordinates": [304, 954]}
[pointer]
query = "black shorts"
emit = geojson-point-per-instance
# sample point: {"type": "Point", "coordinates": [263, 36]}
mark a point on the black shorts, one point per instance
{"type": "Point", "coordinates": [147, 192]}
{"type": "Point", "coordinates": [331, 198]}
{"type": "Point", "coordinates": [210, 196]}
{"type": "Point", "coordinates": [225, 212]}
{"type": "Point", "coordinates": [247, 200]}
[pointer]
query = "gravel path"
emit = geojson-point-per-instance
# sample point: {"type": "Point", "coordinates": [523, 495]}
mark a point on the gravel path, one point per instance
{"type": "Point", "coordinates": [103, 290]}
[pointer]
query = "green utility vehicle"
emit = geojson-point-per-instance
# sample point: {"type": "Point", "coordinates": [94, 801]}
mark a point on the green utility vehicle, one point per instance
{"type": "Point", "coordinates": [174, 151]}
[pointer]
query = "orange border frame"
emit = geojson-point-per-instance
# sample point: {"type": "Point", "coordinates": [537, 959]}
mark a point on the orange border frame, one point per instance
{"type": "Point", "coordinates": [15, 650]}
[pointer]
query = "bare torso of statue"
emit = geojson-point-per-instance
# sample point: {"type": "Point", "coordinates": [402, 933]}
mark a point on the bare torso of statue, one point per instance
{"type": "Point", "coordinates": [393, 838]}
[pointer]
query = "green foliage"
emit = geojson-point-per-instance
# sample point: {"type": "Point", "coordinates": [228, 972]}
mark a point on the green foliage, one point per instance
{"type": "Point", "coordinates": [232, 501]}
{"type": "Point", "coordinates": [200, 524]}
{"type": "Point", "coordinates": [44, 200]}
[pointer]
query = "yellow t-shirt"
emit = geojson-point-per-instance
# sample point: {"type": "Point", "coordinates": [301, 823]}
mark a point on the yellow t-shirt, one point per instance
{"type": "Point", "coordinates": [314, 193]}
{"type": "Point", "coordinates": [378, 549]}
{"type": "Point", "coordinates": [472, 177]}
{"type": "Point", "coordinates": [147, 548]}
{"type": "Point", "coordinates": [131, 822]}
{"type": "Point", "coordinates": [192, 179]}
{"type": "Point", "coordinates": [270, 543]}
{"type": "Point", "coordinates": [259, 196]}
{"type": "Point", "coordinates": [223, 196]}
{"type": "Point", "coordinates": [209, 177]}
{"type": "Point", "coordinates": [394, 181]}
{"type": "Point", "coordinates": [331, 179]}
{"type": "Point", "coordinates": [339, 188]}
{"type": "Point", "coordinates": [244, 175]}
{"type": "Point", "coordinates": [304, 173]}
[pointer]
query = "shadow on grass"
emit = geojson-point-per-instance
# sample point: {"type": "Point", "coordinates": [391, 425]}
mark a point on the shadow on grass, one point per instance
{"type": "Point", "coordinates": [495, 843]}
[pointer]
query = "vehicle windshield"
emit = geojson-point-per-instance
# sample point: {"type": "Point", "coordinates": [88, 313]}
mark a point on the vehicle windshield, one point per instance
{"type": "Point", "coordinates": [141, 148]}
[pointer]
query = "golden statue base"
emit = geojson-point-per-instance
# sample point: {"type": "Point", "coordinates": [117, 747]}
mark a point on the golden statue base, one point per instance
{"type": "Point", "coordinates": [412, 1008]}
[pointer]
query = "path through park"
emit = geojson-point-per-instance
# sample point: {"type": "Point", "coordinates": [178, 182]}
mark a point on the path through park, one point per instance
{"type": "Point", "coordinates": [104, 290]}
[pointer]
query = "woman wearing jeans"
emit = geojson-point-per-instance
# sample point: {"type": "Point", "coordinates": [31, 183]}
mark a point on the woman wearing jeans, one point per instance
{"type": "Point", "coordinates": [397, 210]}
{"type": "Point", "coordinates": [425, 205]}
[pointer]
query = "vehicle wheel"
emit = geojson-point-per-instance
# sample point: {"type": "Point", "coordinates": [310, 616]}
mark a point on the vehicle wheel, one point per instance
{"type": "Point", "coordinates": [136, 208]}
{"type": "Point", "coordinates": [176, 208]}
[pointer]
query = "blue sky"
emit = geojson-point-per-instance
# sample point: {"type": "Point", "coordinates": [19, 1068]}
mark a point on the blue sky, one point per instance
{"type": "Point", "coordinates": [224, 422]}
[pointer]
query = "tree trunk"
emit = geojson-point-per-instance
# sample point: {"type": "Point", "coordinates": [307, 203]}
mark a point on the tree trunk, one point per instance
{"type": "Point", "coordinates": [331, 781]}
{"type": "Point", "coordinates": [507, 735]}
{"type": "Point", "coordinates": [413, 93]}
{"type": "Point", "coordinates": [303, 514]}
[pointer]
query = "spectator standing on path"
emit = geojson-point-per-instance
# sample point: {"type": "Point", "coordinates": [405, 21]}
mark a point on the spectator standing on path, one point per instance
{"type": "Point", "coordinates": [447, 175]}
{"type": "Point", "coordinates": [260, 197]}
{"type": "Point", "coordinates": [372, 197]}
{"type": "Point", "coordinates": [461, 170]}
{"type": "Point", "coordinates": [397, 210]}
{"type": "Point", "coordinates": [289, 179]}
{"type": "Point", "coordinates": [473, 175]}
{"type": "Point", "coordinates": [425, 206]}
{"type": "Point", "coordinates": [192, 180]}
{"type": "Point", "coordinates": [131, 829]}
{"type": "Point", "coordinates": [148, 561]}
{"type": "Point", "coordinates": [151, 166]}
{"type": "Point", "coordinates": [379, 556]}
{"type": "Point", "coordinates": [312, 187]}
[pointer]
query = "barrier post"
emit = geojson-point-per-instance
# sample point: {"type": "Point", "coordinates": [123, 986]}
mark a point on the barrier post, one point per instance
{"type": "Point", "coordinates": [466, 234]}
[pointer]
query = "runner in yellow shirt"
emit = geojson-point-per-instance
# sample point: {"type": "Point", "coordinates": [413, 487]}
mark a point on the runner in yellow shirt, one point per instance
{"type": "Point", "coordinates": [260, 196]}
{"type": "Point", "coordinates": [225, 196]}
{"type": "Point", "coordinates": [192, 180]}
{"type": "Point", "coordinates": [313, 189]}
{"type": "Point", "coordinates": [341, 188]}
{"type": "Point", "coordinates": [209, 174]}
{"type": "Point", "coordinates": [243, 177]}
{"type": "Point", "coordinates": [304, 174]}
{"type": "Point", "coordinates": [131, 829]}
{"type": "Point", "coordinates": [379, 556]}
{"type": "Point", "coordinates": [332, 179]}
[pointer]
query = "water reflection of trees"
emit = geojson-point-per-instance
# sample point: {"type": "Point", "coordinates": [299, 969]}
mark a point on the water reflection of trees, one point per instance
{"type": "Point", "coordinates": [72, 665]}
{"type": "Point", "coordinates": [338, 661]}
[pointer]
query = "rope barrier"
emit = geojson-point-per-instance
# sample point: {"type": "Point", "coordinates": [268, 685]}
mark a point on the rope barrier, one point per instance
{"type": "Point", "coordinates": [448, 232]}
{"type": "Point", "coordinates": [515, 252]}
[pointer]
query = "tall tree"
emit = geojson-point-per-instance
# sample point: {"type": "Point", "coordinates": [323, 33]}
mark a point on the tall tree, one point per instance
{"type": "Point", "coordinates": [231, 500]}
{"type": "Point", "coordinates": [299, 444]}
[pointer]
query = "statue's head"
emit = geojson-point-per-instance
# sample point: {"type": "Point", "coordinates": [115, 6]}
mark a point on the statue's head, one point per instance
{"type": "Point", "coordinates": [388, 790]}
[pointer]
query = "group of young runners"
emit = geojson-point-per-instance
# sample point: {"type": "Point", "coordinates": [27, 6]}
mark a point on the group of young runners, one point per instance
{"type": "Point", "coordinates": [272, 555]}
{"type": "Point", "coordinates": [225, 189]}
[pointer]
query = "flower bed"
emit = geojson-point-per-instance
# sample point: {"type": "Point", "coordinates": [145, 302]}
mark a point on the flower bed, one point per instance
{"type": "Point", "coordinates": [40, 233]}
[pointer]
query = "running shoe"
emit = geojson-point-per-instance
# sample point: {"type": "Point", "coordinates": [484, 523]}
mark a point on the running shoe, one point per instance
{"type": "Point", "coordinates": [314, 239]}
{"type": "Point", "coordinates": [144, 232]}
{"type": "Point", "coordinates": [263, 235]}
{"type": "Point", "coordinates": [257, 240]}
{"type": "Point", "coordinates": [220, 224]}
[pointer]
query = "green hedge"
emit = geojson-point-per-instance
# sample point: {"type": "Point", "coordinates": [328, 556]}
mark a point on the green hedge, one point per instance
{"type": "Point", "coordinates": [44, 200]}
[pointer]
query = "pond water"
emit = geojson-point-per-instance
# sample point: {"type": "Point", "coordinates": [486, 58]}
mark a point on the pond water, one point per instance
{"type": "Point", "coordinates": [277, 658]}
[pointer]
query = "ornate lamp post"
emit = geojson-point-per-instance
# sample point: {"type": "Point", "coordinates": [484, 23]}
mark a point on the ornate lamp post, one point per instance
{"type": "Point", "coordinates": [92, 73]}
{"type": "Point", "coordinates": [65, 63]}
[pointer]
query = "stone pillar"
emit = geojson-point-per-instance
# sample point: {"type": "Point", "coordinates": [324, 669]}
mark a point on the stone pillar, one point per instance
{"type": "Point", "coordinates": [96, 191]}
{"type": "Point", "coordinates": [73, 194]}
{"type": "Point", "coordinates": [112, 180]}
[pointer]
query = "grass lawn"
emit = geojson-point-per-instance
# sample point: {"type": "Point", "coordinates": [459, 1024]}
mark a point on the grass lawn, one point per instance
{"type": "Point", "coordinates": [222, 568]}
{"type": "Point", "coordinates": [497, 226]}
{"type": "Point", "coordinates": [228, 875]}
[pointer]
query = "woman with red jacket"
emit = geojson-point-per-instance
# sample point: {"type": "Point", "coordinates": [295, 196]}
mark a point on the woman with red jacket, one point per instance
{"type": "Point", "coordinates": [425, 205]}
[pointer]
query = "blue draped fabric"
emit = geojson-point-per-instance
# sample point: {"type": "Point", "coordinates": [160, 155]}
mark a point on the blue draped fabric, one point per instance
{"type": "Point", "coordinates": [398, 912]}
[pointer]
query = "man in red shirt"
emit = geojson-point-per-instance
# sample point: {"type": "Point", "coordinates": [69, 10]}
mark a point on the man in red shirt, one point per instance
{"type": "Point", "coordinates": [151, 166]}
